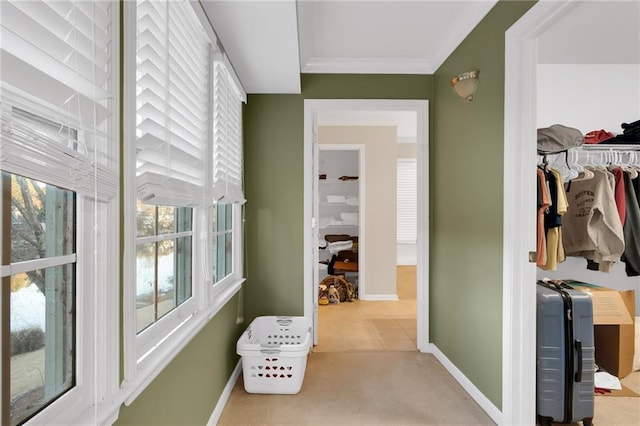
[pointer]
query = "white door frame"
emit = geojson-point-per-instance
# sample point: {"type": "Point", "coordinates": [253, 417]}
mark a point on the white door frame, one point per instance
{"type": "Point", "coordinates": [421, 107]}
{"type": "Point", "coordinates": [519, 276]}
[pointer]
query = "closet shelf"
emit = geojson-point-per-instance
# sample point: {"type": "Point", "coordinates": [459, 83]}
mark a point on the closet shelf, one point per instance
{"type": "Point", "coordinates": [341, 204]}
{"type": "Point", "coordinates": [337, 180]}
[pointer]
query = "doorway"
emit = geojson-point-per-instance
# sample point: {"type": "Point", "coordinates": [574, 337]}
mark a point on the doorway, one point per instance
{"type": "Point", "coordinates": [522, 49]}
{"type": "Point", "coordinates": [420, 108]}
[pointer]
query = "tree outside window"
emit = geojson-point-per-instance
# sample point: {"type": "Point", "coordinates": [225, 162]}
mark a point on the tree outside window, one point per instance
{"type": "Point", "coordinates": [38, 231]}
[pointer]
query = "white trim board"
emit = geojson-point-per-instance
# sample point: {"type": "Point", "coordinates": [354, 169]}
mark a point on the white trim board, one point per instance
{"type": "Point", "coordinates": [421, 107]}
{"type": "Point", "coordinates": [475, 393]}
{"type": "Point", "coordinates": [519, 293]}
{"type": "Point", "coordinates": [380, 297]}
{"type": "Point", "coordinates": [225, 395]}
{"type": "Point", "coordinates": [367, 66]}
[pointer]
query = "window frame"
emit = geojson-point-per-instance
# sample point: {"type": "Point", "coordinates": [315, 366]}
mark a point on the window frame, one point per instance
{"type": "Point", "coordinates": [219, 289]}
{"type": "Point", "coordinates": [91, 400]}
{"type": "Point", "coordinates": [147, 353]}
{"type": "Point", "coordinates": [149, 337]}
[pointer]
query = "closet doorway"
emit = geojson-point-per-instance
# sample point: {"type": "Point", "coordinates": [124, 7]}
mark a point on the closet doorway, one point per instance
{"type": "Point", "coordinates": [524, 41]}
{"type": "Point", "coordinates": [313, 110]}
{"type": "Point", "coordinates": [340, 212]}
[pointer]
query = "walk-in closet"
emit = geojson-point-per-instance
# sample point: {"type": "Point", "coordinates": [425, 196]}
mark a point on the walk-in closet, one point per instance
{"type": "Point", "coordinates": [591, 83]}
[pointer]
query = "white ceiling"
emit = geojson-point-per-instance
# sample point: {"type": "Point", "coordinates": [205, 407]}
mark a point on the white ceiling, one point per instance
{"type": "Point", "coordinates": [270, 42]}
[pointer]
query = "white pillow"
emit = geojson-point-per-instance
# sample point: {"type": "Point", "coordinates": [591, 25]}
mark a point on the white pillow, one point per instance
{"type": "Point", "coordinates": [636, 357]}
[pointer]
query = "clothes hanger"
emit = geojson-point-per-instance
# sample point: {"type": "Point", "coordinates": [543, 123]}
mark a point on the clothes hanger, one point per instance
{"type": "Point", "coordinates": [629, 165]}
{"type": "Point", "coordinates": [572, 173]}
{"type": "Point", "coordinates": [585, 172]}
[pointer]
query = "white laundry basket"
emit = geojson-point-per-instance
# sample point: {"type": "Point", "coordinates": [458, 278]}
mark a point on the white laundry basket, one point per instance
{"type": "Point", "coordinates": [274, 354]}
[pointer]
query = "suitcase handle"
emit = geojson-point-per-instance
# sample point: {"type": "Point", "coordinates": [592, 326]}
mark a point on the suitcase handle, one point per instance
{"type": "Point", "coordinates": [555, 284]}
{"type": "Point", "coordinates": [578, 345]}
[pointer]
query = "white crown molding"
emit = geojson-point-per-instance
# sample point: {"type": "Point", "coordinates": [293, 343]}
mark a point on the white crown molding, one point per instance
{"type": "Point", "coordinates": [472, 15]}
{"type": "Point", "coordinates": [367, 66]}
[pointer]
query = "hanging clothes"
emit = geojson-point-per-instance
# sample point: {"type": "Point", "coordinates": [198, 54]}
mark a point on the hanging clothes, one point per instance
{"type": "Point", "coordinates": [552, 205]}
{"type": "Point", "coordinates": [553, 220]}
{"type": "Point", "coordinates": [592, 226]}
{"type": "Point", "coordinates": [619, 193]}
{"type": "Point", "coordinates": [544, 201]}
{"type": "Point", "coordinates": [631, 229]}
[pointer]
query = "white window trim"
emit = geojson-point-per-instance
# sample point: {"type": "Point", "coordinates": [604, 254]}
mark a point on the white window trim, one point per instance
{"type": "Point", "coordinates": [209, 299]}
{"type": "Point", "coordinates": [93, 399]}
{"type": "Point", "coordinates": [97, 331]}
{"type": "Point", "coordinates": [218, 290]}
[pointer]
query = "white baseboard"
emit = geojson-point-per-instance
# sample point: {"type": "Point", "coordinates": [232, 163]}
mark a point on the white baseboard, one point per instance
{"type": "Point", "coordinates": [379, 297]}
{"type": "Point", "coordinates": [472, 390]}
{"type": "Point", "coordinates": [226, 393]}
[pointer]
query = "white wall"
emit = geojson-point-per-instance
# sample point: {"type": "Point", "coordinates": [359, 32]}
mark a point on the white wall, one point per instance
{"type": "Point", "coordinates": [590, 97]}
{"type": "Point", "coordinates": [407, 254]}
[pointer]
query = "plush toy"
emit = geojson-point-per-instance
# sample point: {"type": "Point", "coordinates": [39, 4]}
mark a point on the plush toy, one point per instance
{"type": "Point", "coordinates": [345, 289]}
{"type": "Point", "coordinates": [323, 295]}
{"type": "Point", "coordinates": [334, 296]}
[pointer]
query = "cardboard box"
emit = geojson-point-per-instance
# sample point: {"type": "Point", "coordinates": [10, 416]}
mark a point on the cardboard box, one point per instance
{"type": "Point", "coordinates": [613, 320]}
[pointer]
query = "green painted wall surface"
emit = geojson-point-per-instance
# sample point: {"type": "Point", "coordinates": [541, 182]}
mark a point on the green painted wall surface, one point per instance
{"type": "Point", "coordinates": [187, 390]}
{"type": "Point", "coordinates": [466, 200]}
{"type": "Point", "coordinates": [274, 209]}
{"type": "Point", "coordinates": [274, 169]}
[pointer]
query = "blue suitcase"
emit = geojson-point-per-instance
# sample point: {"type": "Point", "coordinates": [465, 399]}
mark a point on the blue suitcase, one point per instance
{"type": "Point", "coordinates": [565, 354]}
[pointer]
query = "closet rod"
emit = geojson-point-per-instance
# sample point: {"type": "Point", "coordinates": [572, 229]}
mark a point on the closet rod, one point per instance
{"type": "Point", "coordinates": [605, 147]}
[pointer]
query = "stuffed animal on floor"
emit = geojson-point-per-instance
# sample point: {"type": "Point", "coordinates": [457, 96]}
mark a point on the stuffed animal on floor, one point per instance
{"type": "Point", "coordinates": [344, 288]}
{"type": "Point", "coordinates": [323, 295]}
{"type": "Point", "coordinates": [334, 295]}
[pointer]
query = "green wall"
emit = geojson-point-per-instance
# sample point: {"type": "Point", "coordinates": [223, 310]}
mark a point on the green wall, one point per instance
{"type": "Point", "coordinates": [274, 175]}
{"type": "Point", "coordinates": [466, 224]}
{"type": "Point", "coordinates": [187, 390]}
{"type": "Point", "coordinates": [467, 201]}
{"type": "Point", "coordinates": [274, 209]}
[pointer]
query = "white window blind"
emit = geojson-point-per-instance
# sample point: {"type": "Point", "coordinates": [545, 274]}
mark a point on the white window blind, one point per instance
{"type": "Point", "coordinates": [407, 201]}
{"type": "Point", "coordinates": [172, 92]}
{"type": "Point", "coordinates": [56, 94]}
{"type": "Point", "coordinates": [227, 136]}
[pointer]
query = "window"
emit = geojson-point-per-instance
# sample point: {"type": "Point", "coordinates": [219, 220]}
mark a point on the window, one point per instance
{"type": "Point", "coordinates": [172, 90]}
{"type": "Point", "coordinates": [163, 261]}
{"type": "Point", "coordinates": [184, 167]}
{"type": "Point", "coordinates": [407, 201]}
{"type": "Point", "coordinates": [59, 166]}
{"type": "Point", "coordinates": [40, 293]}
{"type": "Point", "coordinates": [222, 241]}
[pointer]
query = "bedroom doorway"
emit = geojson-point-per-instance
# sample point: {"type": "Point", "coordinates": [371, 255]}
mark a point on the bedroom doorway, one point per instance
{"type": "Point", "coordinates": [355, 110]}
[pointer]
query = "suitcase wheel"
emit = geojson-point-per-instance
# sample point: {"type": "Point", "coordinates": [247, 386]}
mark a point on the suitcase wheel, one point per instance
{"type": "Point", "coordinates": [545, 421]}
{"type": "Point", "coordinates": [587, 422]}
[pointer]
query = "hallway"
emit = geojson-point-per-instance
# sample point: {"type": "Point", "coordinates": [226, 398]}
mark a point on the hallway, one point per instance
{"type": "Point", "coordinates": [365, 371]}
{"type": "Point", "coordinates": [361, 388]}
